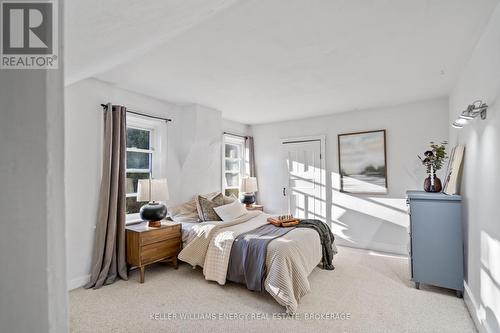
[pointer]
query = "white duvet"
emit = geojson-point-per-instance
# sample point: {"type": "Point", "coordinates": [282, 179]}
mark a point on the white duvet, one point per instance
{"type": "Point", "coordinates": [290, 259]}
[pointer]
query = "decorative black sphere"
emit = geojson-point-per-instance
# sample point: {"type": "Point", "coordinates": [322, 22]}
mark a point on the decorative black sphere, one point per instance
{"type": "Point", "coordinates": [153, 211]}
{"type": "Point", "coordinates": [247, 198]}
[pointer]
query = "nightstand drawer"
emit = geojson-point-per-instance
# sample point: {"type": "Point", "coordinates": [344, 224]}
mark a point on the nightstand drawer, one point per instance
{"type": "Point", "coordinates": [147, 245]}
{"type": "Point", "coordinates": [160, 250]}
{"type": "Point", "coordinates": [154, 236]}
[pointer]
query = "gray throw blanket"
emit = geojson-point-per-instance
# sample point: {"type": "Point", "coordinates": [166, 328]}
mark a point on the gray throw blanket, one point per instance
{"type": "Point", "coordinates": [326, 237]}
{"type": "Point", "coordinates": [247, 261]}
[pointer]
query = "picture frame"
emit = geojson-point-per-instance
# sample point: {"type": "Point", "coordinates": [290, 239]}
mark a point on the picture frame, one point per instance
{"type": "Point", "coordinates": [454, 171]}
{"type": "Point", "coordinates": [362, 160]}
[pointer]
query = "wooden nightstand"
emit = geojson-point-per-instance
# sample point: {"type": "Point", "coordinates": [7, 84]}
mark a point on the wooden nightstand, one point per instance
{"type": "Point", "coordinates": [147, 245]}
{"type": "Point", "coordinates": [255, 207]}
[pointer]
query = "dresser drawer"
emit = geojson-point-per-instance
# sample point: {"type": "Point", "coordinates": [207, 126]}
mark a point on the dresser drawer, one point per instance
{"type": "Point", "coordinates": [160, 250]}
{"type": "Point", "coordinates": [158, 235]}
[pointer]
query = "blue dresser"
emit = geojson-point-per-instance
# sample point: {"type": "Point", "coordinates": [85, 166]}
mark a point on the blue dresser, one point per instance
{"type": "Point", "coordinates": [436, 240]}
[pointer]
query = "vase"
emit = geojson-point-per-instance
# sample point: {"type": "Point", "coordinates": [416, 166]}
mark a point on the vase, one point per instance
{"type": "Point", "coordinates": [248, 199]}
{"type": "Point", "coordinates": [153, 212]}
{"type": "Point", "coordinates": [432, 184]}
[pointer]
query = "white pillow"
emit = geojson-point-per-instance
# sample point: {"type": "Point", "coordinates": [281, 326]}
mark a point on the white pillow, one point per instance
{"type": "Point", "coordinates": [230, 211]}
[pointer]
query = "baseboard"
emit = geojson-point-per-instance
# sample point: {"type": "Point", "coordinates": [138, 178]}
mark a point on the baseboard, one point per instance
{"type": "Point", "coordinates": [374, 246]}
{"type": "Point", "coordinates": [474, 310]}
{"type": "Point", "coordinates": [78, 282]}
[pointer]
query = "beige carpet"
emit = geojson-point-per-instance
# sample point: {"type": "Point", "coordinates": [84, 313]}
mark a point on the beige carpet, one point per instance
{"type": "Point", "coordinates": [373, 288]}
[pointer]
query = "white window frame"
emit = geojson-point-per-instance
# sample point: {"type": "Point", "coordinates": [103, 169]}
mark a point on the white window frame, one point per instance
{"type": "Point", "coordinates": [229, 139]}
{"type": "Point", "coordinates": [157, 141]}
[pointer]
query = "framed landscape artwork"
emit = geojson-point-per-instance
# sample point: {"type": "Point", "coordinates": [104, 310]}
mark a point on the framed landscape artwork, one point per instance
{"type": "Point", "coordinates": [362, 162]}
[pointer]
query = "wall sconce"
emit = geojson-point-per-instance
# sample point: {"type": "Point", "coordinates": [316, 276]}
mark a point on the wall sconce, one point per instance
{"type": "Point", "coordinates": [473, 110]}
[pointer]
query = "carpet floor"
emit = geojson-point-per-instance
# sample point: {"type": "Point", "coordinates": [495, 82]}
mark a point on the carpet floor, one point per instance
{"type": "Point", "coordinates": [367, 292]}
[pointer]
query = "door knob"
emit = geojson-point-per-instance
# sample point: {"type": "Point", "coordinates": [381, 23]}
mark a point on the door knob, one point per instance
{"type": "Point", "coordinates": [284, 191]}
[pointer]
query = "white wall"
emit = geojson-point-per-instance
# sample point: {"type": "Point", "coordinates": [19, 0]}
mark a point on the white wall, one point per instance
{"type": "Point", "coordinates": [193, 166]}
{"type": "Point", "coordinates": [480, 79]}
{"type": "Point", "coordinates": [368, 221]}
{"type": "Point", "coordinates": [235, 127]}
{"type": "Point", "coordinates": [196, 153]}
{"type": "Point", "coordinates": [33, 294]}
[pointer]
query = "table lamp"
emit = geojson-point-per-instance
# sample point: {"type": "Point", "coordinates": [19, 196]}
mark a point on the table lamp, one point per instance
{"type": "Point", "coordinates": [248, 188]}
{"type": "Point", "coordinates": [153, 191]}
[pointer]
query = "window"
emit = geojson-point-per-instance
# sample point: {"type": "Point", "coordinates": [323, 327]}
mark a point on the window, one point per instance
{"type": "Point", "coordinates": [140, 156]}
{"type": "Point", "coordinates": [144, 158]}
{"type": "Point", "coordinates": [233, 164]}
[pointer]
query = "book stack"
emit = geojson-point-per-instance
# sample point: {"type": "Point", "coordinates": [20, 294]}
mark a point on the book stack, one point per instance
{"type": "Point", "coordinates": [283, 220]}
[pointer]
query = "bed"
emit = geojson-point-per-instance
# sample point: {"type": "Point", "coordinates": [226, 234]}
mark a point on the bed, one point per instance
{"type": "Point", "coordinates": [186, 227]}
{"type": "Point", "coordinates": [289, 259]}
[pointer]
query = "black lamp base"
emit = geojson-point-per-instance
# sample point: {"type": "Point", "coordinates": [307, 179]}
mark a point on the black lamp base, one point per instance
{"type": "Point", "coordinates": [248, 199]}
{"type": "Point", "coordinates": [153, 212]}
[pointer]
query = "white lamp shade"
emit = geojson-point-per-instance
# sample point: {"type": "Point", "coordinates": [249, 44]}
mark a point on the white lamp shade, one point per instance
{"type": "Point", "coordinates": [158, 191]}
{"type": "Point", "coordinates": [249, 185]}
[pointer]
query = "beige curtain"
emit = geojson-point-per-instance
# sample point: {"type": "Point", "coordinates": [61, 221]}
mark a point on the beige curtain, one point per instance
{"type": "Point", "coordinates": [251, 156]}
{"type": "Point", "coordinates": [108, 262]}
{"type": "Point", "coordinates": [249, 148]}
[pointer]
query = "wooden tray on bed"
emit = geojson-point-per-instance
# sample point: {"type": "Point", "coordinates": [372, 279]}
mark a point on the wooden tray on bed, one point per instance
{"type": "Point", "coordinates": [283, 221]}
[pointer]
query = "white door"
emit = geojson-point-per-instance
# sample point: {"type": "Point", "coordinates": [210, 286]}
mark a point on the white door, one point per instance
{"type": "Point", "coordinates": [303, 189]}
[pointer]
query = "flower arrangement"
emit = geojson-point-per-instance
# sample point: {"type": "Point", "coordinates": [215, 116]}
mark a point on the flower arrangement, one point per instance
{"type": "Point", "coordinates": [434, 158]}
{"type": "Point", "coordinates": [433, 161]}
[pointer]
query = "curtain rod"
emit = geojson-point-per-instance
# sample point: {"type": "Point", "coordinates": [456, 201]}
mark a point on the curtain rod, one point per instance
{"type": "Point", "coordinates": [237, 135]}
{"type": "Point", "coordinates": [143, 114]}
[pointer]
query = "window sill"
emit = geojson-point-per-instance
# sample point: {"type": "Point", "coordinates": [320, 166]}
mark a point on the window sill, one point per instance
{"type": "Point", "coordinates": [132, 219]}
{"type": "Point", "coordinates": [132, 222]}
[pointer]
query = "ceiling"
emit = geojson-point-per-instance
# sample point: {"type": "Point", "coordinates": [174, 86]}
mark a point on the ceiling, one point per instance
{"type": "Point", "coordinates": [102, 34]}
{"type": "Point", "coordinates": [274, 60]}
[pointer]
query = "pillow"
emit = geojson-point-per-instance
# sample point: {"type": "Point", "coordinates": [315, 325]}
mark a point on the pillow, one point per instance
{"type": "Point", "coordinates": [229, 199]}
{"type": "Point", "coordinates": [186, 212]}
{"type": "Point", "coordinates": [206, 207]}
{"type": "Point", "coordinates": [230, 211]}
{"type": "Point", "coordinates": [210, 195]}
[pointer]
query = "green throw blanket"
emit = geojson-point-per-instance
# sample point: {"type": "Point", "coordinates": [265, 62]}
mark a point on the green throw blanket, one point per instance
{"type": "Point", "coordinates": [326, 237]}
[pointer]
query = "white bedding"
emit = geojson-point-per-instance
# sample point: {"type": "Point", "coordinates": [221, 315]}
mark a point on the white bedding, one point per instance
{"type": "Point", "coordinates": [186, 226]}
{"type": "Point", "coordinates": [290, 259]}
